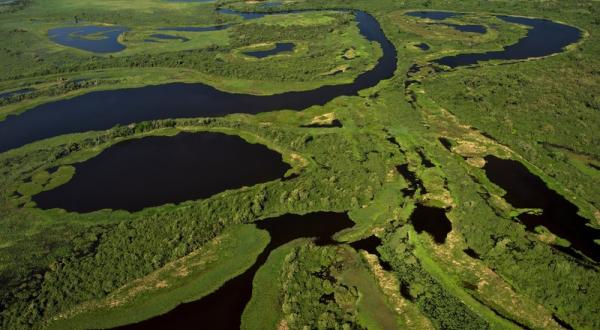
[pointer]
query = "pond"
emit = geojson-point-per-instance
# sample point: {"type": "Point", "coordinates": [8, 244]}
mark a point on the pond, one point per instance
{"type": "Point", "coordinates": [442, 15]}
{"type": "Point", "coordinates": [431, 220]}
{"type": "Point", "coordinates": [105, 109]}
{"type": "Point", "coordinates": [559, 216]}
{"type": "Point", "coordinates": [168, 37]}
{"type": "Point", "coordinates": [280, 47]}
{"type": "Point", "coordinates": [434, 15]}
{"type": "Point", "coordinates": [151, 171]}
{"type": "Point", "coordinates": [93, 38]}
{"type": "Point", "coordinates": [225, 306]}
{"type": "Point", "coordinates": [422, 46]}
{"type": "Point", "coordinates": [196, 28]}
{"type": "Point", "coordinates": [472, 28]}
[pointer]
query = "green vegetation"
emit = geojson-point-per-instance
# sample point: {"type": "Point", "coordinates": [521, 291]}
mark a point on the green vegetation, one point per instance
{"type": "Point", "coordinates": [185, 279]}
{"type": "Point", "coordinates": [32, 60]}
{"type": "Point", "coordinates": [66, 270]}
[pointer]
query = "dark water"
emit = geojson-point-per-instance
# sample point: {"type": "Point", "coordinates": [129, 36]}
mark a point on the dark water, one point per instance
{"type": "Point", "coordinates": [414, 182]}
{"type": "Point", "coordinates": [334, 123]}
{"type": "Point", "coordinates": [169, 37]}
{"type": "Point", "coordinates": [471, 253]}
{"type": "Point", "coordinates": [97, 39]}
{"type": "Point", "coordinates": [139, 173]}
{"type": "Point", "coordinates": [6, 95]}
{"type": "Point", "coordinates": [196, 28]}
{"type": "Point", "coordinates": [105, 109]}
{"type": "Point", "coordinates": [446, 143]}
{"type": "Point", "coordinates": [525, 190]}
{"type": "Point", "coordinates": [431, 220]}
{"type": "Point", "coordinates": [543, 38]}
{"type": "Point", "coordinates": [370, 245]}
{"type": "Point", "coordinates": [280, 47]}
{"type": "Point", "coordinates": [423, 46]}
{"type": "Point", "coordinates": [435, 15]}
{"type": "Point", "coordinates": [223, 308]}
{"type": "Point", "coordinates": [473, 28]}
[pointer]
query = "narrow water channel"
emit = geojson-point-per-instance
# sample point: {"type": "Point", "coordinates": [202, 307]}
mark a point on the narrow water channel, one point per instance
{"type": "Point", "coordinates": [222, 309]}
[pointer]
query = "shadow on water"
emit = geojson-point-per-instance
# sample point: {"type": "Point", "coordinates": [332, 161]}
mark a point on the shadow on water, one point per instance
{"type": "Point", "coordinates": [525, 190]}
{"type": "Point", "coordinates": [97, 39]}
{"type": "Point", "coordinates": [223, 308]}
{"type": "Point", "coordinates": [105, 109]}
{"type": "Point", "coordinates": [152, 171]}
{"type": "Point", "coordinates": [431, 220]}
{"type": "Point", "coordinates": [280, 47]}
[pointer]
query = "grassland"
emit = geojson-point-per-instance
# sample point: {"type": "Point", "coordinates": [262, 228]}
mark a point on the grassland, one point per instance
{"type": "Point", "coordinates": [542, 112]}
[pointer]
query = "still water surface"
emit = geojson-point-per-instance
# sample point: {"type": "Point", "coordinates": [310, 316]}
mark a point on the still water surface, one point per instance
{"type": "Point", "coordinates": [156, 170]}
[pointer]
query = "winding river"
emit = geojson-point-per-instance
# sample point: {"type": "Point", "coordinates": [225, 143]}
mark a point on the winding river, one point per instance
{"type": "Point", "coordinates": [223, 308]}
{"type": "Point", "coordinates": [105, 109]}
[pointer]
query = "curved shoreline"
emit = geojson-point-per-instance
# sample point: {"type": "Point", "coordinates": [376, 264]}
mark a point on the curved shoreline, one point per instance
{"type": "Point", "coordinates": [105, 109]}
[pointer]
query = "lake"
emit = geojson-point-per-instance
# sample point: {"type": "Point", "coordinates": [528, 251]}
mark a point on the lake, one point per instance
{"type": "Point", "coordinates": [280, 47]}
{"type": "Point", "coordinates": [559, 216]}
{"type": "Point", "coordinates": [151, 171]}
{"type": "Point", "coordinates": [93, 38]}
{"type": "Point", "coordinates": [105, 109]}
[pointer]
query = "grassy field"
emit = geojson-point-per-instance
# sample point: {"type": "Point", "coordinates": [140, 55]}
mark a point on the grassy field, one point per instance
{"type": "Point", "coordinates": [62, 270]}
